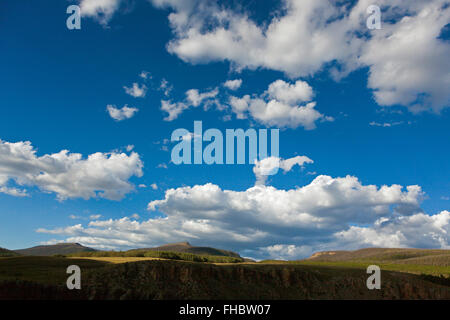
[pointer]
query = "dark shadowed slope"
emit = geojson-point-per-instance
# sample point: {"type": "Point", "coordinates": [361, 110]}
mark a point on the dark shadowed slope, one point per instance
{"type": "Point", "coordinates": [45, 278]}
{"type": "Point", "coordinates": [60, 248]}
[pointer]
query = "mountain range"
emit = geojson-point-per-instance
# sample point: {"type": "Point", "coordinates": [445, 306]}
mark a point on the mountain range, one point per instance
{"type": "Point", "coordinates": [70, 248]}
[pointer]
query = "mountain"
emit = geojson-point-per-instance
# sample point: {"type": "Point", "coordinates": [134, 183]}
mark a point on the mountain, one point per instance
{"type": "Point", "coordinates": [387, 255]}
{"type": "Point", "coordinates": [186, 247]}
{"type": "Point", "coordinates": [7, 253]}
{"type": "Point", "coordinates": [50, 250]}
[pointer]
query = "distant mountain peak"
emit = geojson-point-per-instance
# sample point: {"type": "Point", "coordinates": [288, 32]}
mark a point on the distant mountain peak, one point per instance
{"type": "Point", "coordinates": [58, 248]}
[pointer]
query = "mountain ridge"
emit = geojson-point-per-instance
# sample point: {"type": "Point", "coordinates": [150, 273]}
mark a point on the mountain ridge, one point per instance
{"type": "Point", "coordinates": [71, 248]}
{"type": "Point", "coordinates": [50, 250]}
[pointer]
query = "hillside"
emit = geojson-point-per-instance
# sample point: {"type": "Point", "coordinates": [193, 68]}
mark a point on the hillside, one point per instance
{"type": "Point", "coordinates": [44, 278]}
{"type": "Point", "coordinates": [7, 253]}
{"type": "Point", "coordinates": [50, 250]}
{"type": "Point", "coordinates": [186, 247]}
{"type": "Point", "coordinates": [429, 257]}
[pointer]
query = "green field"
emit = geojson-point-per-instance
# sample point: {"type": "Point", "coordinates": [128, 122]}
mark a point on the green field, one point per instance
{"type": "Point", "coordinates": [407, 268]}
{"type": "Point", "coordinates": [48, 270]}
{"type": "Point", "coordinates": [161, 255]}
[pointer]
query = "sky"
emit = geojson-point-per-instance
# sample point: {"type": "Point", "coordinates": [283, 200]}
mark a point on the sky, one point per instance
{"type": "Point", "coordinates": [88, 114]}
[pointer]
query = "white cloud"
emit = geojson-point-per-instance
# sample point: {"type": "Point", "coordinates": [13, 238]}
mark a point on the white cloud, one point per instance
{"type": "Point", "coordinates": [286, 252]}
{"type": "Point", "coordinates": [69, 175]}
{"type": "Point", "coordinates": [264, 221]}
{"type": "Point", "coordinates": [298, 42]}
{"type": "Point", "coordinates": [193, 99]}
{"type": "Point", "coordinates": [166, 87]}
{"type": "Point", "coordinates": [233, 84]}
{"type": "Point", "coordinates": [154, 186]}
{"type": "Point", "coordinates": [13, 191]}
{"type": "Point", "coordinates": [130, 147]}
{"type": "Point", "coordinates": [305, 37]}
{"type": "Point", "coordinates": [135, 216]}
{"type": "Point", "coordinates": [270, 166]}
{"type": "Point", "coordinates": [101, 10]}
{"type": "Point", "coordinates": [420, 80]}
{"type": "Point", "coordinates": [145, 75]}
{"type": "Point", "coordinates": [173, 109]}
{"type": "Point", "coordinates": [122, 113]}
{"type": "Point", "coordinates": [294, 93]}
{"type": "Point", "coordinates": [95, 216]}
{"type": "Point", "coordinates": [418, 230]}
{"type": "Point", "coordinates": [136, 91]}
{"type": "Point", "coordinates": [278, 106]}
{"type": "Point", "coordinates": [385, 124]}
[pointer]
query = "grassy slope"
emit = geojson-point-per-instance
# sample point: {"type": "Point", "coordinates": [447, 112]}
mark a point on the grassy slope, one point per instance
{"type": "Point", "coordinates": [417, 261]}
{"type": "Point", "coordinates": [380, 254]}
{"type": "Point", "coordinates": [48, 270]}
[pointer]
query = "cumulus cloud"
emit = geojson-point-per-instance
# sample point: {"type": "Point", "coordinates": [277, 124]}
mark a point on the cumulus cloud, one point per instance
{"type": "Point", "coordinates": [305, 37]}
{"type": "Point", "coordinates": [297, 92]}
{"type": "Point", "coordinates": [135, 216]}
{"type": "Point", "coordinates": [421, 80]}
{"type": "Point", "coordinates": [101, 10]}
{"type": "Point", "coordinates": [233, 84]}
{"type": "Point", "coordinates": [13, 191]}
{"type": "Point", "coordinates": [403, 231]}
{"type": "Point", "coordinates": [193, 99]}
{"type": "Point", "coordinates": [269, 166]}
{"type": "Point", "coordinates": [136, 91]}
{"type": "Point", "coordinates": [385, 124]}
{"type": "Point", "coordinates": [263, 221]}
{"type": "Point", "coordinates": [278, 106]}
{"type": "Point", "coordinates": [173, 109]}
{"type": "Point", "coordinates": [69, 175]}
{"type": "Point", "coordinates": [286, 251]}
{"type": "Point", "coordinates": [145, 75]}
{"type": "Point", "coordinates": [165, 87]}
{"type": "Point", "coordinates": [122, 113]}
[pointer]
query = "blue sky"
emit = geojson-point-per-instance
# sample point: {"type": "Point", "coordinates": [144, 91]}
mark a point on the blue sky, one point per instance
{"type": "Point", "coordinates": [389, 124]}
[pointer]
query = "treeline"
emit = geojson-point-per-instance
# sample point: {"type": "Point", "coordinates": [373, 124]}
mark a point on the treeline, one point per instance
{"type": "Point", "coordinates": [160, 254]}
{"type": "Point", "coordinates": [6, 254]}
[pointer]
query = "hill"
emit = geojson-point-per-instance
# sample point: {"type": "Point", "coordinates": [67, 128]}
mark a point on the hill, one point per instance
{"type": "Point", "coordinates": [7, 253]}
{"type": "Point", "coordinates": [186, 247]}
{"type": "Point", "coordinates": [428, 257]}
{"type": "Point", "coordinates": [50, 250]}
